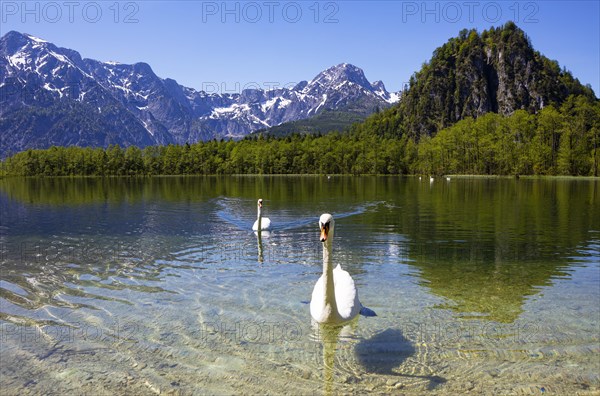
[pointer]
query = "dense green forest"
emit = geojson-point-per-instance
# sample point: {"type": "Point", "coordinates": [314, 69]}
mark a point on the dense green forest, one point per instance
{"type": "Point", "coordinates": [324, 122]}
{"type": "Point", "coordinates": [555, 141]}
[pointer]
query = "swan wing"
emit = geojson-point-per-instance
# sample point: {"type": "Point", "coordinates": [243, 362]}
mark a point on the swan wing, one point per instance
{"type": "Point", "coordinates": [317, 301]}
{"type": "Point", "coordinates": [266, 223]}
{"type": "Point", "coordinates": [346, 296]}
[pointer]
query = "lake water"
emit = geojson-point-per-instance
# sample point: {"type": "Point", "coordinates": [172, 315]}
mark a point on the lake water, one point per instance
{"type": "Point", "coordinates": [147, 286]}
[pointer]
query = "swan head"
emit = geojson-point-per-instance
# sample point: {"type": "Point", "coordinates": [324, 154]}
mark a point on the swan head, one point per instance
{"type": "Point", "coordinates": [326, 225]}
{"type": "Point", "coordinates": [259, 204]}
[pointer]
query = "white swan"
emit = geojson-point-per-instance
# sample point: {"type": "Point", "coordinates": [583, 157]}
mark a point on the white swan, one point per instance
{"type": "Point", "coordinates": [334, 298]}
{"type": "Point", "coordinates": [261, 223]}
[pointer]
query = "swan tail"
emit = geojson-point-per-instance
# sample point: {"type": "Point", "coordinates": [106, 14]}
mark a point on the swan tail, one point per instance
{"type": "Point", "coordinates": [364, 311]}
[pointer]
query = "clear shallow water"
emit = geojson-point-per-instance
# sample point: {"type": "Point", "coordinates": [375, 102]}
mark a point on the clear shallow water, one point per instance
{"type": "Point", "coordinates": [141, 286]}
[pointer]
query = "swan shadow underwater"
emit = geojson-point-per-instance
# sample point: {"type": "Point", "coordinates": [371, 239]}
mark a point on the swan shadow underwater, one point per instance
{"type": "Point", "coordinates": [384, 352]}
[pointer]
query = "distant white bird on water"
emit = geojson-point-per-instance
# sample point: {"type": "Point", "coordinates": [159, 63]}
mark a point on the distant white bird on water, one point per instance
{"type": "Point", "coordinates": [261, 223]}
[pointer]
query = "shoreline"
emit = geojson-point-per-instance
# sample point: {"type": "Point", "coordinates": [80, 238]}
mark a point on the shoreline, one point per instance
{"type": "Point", "coordinates": [339, 175]}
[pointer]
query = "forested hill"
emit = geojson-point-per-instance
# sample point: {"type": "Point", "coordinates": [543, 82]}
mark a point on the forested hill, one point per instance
{"type": "Point", "coordinates": [475, 73]}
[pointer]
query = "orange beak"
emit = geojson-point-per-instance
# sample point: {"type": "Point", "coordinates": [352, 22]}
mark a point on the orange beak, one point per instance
{"type": "Point", "coordinates": [324, 232]}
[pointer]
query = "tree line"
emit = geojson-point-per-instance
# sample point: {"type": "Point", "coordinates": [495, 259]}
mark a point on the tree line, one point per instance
{"type": "Point", "coordinates": [561, 140]}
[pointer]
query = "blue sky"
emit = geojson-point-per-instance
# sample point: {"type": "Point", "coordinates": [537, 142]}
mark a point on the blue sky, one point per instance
{"type": "Point", "coordinates": [227, 46]}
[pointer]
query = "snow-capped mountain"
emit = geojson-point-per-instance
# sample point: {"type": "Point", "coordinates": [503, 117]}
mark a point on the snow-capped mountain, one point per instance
{"type": "Point", "coordinates": [51, 96]}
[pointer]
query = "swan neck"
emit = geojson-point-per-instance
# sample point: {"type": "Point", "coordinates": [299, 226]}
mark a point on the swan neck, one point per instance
{"type": "Point", "coordinates": [327, 265]}
{"type": "Point", "coordinates": [328, 277]}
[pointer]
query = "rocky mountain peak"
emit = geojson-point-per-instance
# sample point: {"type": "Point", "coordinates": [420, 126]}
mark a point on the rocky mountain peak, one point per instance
{"type": "Point", "coordinates": [129, 104]}
{"type": "Point", "coordinates": [339, 75]}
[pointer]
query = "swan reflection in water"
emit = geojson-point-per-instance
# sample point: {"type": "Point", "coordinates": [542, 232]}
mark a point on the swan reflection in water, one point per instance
{"type": "Point", "coordinates": [329, 336]}
{"type": "Point", "coordinates": [259, 243]}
